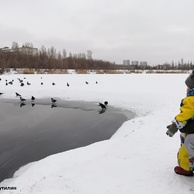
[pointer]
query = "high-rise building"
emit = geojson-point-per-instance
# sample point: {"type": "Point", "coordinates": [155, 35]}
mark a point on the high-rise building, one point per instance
{"type": "Point", "coordinates": [126, 62]}
{"type": "Point", "coordinates": [143, 63]}
{"type": "Point", "coordinates": [135, 63]}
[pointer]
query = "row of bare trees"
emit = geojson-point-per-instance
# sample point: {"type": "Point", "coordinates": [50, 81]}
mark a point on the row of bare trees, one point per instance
{"type": "Point", "coordinates": [49, 59]}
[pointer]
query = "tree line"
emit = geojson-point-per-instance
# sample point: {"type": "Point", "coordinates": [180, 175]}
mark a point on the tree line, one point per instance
{"type": "Point", "coordinates": [49, 59]}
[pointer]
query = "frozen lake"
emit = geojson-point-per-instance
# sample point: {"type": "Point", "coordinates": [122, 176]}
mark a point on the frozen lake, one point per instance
{"type": "Point", "coordinates": [33, 131]}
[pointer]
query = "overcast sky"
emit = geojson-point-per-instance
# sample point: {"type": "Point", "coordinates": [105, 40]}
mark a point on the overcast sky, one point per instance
{"type": "Point", "coordinates": [155, 31]}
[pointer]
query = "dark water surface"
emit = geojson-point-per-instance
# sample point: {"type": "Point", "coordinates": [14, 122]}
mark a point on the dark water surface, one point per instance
{"type": "Point", "coordinates": [33, 131]}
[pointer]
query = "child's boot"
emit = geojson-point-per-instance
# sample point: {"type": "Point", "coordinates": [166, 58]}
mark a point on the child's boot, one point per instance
{"type": "Point", "coordinates": [181, 171]}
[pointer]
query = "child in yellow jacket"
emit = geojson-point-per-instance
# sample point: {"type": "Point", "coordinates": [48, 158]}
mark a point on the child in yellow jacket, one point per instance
{"type": "Point", "coordinates": [184, 122]}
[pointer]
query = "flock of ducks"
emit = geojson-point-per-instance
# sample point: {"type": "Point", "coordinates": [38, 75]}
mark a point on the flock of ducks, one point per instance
{"type": "Point", "coordinates": [53, 101]}
{"type": "Point", "coordinates": [21, 81]}
{"type": "Point", "coordinates": [23, 100]}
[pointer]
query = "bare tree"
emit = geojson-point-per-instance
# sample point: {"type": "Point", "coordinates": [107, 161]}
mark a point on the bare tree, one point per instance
{"type": "Point", "coordinates": [43, 58]}
{"type": "Point", "coordinates": [28, 44]}
{"type": "Point", "coordinates": [52, 53]}
{"type": "Point", "coordinates": [64, 54]}
{"type": "Point", "coordinates": [70, 55]}
{"type": "Point", "coordinates": [89, 54]}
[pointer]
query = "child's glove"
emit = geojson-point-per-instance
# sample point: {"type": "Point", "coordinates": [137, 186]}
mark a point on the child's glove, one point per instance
{"type": "Point", "coordinates": [172, 129]}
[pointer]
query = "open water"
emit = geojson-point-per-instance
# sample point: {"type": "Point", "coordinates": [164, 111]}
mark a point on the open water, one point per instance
{"type": "Point", "coordinates": [32, 131]}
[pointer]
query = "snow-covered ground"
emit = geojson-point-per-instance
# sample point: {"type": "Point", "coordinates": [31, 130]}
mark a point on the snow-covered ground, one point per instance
{"type": "Point", "coordinates": [139, 158]}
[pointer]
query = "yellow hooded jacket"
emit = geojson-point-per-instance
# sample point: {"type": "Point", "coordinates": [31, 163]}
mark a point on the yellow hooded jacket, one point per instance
{"type": "Point", "coordinates": [186, 110]}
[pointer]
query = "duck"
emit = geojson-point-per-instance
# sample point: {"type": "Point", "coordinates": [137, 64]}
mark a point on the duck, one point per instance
{"type": "Point", "coordinates": [53, 100]}
{"type": "Point", "coordinates": [32, 98]}
{"type": "Point", "coordinates": [17, 94]}
{"type": "Point", "coordinates": [22, 99]}
{"type": "Point", "coordinates": [103, 106]}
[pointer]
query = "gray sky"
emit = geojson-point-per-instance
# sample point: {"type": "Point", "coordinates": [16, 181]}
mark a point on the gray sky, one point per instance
{"type": "Point", "coordinates": [155, 31]}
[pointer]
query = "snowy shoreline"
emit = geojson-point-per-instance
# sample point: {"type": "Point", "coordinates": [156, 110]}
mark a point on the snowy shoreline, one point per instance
{"type": "Point", "coordinates": [113, 166]}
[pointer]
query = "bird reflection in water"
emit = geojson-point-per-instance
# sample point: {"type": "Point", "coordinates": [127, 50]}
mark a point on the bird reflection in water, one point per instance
{"type": "Point", "coordinates": [53, 105]}
{"type": "Point", "coordinates": [22, 104]}
{"type": "Point", "coordinates": [33, 104]}
{"type": "Point", "coordinates": [103, 110]}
